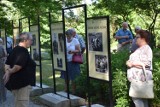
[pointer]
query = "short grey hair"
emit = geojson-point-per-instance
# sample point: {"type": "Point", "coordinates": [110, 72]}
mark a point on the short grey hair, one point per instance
{"type": "Point", "coordinates": [24, 36]}
{"type": "Point", "coordinates": [69, 32]}
{"type": "Point", "coordinates": [73, 30]}
{"type": "Point", "coordinates": [125, 23]}
{"type": "Point", "coordinates": [138, 28]}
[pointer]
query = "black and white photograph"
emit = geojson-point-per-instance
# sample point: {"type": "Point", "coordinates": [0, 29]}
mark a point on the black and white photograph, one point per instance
{"type": "Point", "coordinates": [15, 36]}
{"type": "Point", "coordinates": [34, 40]}
{"type": "Point", "coordinates": [3, 38]}
{"type": "Point", "coordinates": [55, 44]}
{"type": "Point", "coordinates": [59, 62]}
{"type": "Point", "coordinates": [101, 63]}
{"type": "Point", "coordinates": [35, 54]}
{"type": "Point", "coordinates": [58, 46]}
{"type": "Point", "coordinates": [95, 42]}
{"type": "Point", "coordinates": [61, 41]}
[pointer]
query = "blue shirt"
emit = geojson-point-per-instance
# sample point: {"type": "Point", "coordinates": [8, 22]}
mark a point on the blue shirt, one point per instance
{"type": "Point", "coordinates": [122, 32]}
{"type": "Point", "coordinates": [134, 46]}
{"type": "Point", "coordinates": [81, 41]}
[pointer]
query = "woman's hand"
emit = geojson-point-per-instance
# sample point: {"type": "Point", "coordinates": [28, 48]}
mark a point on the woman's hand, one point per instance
{"type": "Point", "coordinates": [6, 76]}
{"type": "Point", "coordinates": [70, 52]}
{"type": "Point", "coordinates": [129, 63]}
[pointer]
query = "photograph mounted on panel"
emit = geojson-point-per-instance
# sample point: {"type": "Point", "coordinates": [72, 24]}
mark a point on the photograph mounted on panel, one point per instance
{"type": "Point", "coordinates": [58, 46]}
{"type": "Point", "coordinates": [35, 45]}
{"type": "Point", "coordinates": [98, 48]}
{"type": "Point", "coordinates": [95, 42]}
{"type": "Point", "coordinates": [101, 63]}
{"type": "Point", "coordinates": [15, 36]}
{"type": "Point", "coordinates": [3, 37]}
{"type": "Point", "coordinates": [61, 41]}
{"type": "Point", "coordinates": [34, 40]}
{"type": "Point", "coordinates": [35, 54]}
{"type": "Point", "coordinates": [55, 43]}
{"type": "Point", "coordinates": [59, 62]}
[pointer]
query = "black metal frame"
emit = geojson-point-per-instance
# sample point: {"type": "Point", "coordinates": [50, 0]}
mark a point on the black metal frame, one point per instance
{"type": "Point", "coordinates": [5, 28]}
{"type": "Point", "coordinates": [20, 24]}
{"type": "Point", "coordinates": [109, 61]}
{"type": "Point", "coordinates": [86, 37]}
{"type": "Point", "coordinates": [40, 62]}
{"type": "Point", "coordinates": [53, 69]}
{"type": "Point", "coordinates": [63, 18]}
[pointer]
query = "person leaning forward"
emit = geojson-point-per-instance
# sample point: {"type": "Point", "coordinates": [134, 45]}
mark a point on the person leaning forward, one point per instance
{"type": "Point", "coordinates": [124, 37]}
{"type": "Point", "coordinates": [80, 39]}
{"type": "Point", "coordinates": [20, 71]}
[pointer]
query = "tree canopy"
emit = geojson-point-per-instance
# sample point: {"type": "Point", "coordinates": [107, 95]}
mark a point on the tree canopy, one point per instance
{"type": "Point", "coordinates": [144, 13]}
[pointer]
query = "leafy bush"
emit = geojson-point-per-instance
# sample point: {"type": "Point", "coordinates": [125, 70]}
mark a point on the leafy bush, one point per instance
{"type": "Point", "coordinates": [156, 77]}
{"type": "Point", "coordinates": [120, 83]}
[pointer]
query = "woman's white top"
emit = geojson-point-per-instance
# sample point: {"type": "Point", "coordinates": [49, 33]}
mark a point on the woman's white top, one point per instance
{"type": "Point", "coordinates": [71, 46]}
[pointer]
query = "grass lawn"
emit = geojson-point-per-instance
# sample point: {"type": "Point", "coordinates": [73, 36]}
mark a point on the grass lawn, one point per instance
{"type": "Point", "coordinates": [47, 75]}
{"type": "Point", "coordinates": [47, 72]}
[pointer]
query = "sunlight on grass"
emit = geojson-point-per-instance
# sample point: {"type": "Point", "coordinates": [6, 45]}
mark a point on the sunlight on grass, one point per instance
{"type": "Point", "coordinates": [57, 76]}
{"type": "Point", "coordinates": [37, 74]}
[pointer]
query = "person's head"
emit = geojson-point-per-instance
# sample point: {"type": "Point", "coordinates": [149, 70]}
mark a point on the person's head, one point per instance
{"type": "Point", "coordinates": [25, 39]}
{"type": "Point", "coordinates": [73, 32]}
{"type": "Point", "coordinates": [137, 28]}
{"type": "Point", "coordinates": [143, 37]}
{"type": "Point", "coordinates": [69, 34]}
{"type": "Point", "coordinates": [1, 41]}
{"type": "Point", "coordinates": [125, 25]}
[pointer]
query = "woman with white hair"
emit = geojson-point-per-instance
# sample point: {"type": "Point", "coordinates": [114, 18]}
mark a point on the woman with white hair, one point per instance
{"type": "Point", "coordinates": [134, 46]}
{"type": "Point", "coordinates": [3, 55]}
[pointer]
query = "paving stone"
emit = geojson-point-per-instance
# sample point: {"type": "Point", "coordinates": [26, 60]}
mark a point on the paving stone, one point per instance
{"type": "Point", "coordinates": [75, 100]}
{"type": "Point", "coordinates": [54, 100]}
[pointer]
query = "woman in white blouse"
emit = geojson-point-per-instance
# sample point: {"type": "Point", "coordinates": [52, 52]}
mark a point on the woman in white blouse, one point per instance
{"type": "Point", "coordinates": [142, 57]}
{"type": "Point", "coordinates": [73, 47]}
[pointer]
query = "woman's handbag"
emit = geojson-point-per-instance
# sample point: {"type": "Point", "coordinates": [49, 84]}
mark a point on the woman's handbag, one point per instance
{"type": "Point", "coordinates": [141, 89]}
{"type": "Point", "coordinates": [77, 58]}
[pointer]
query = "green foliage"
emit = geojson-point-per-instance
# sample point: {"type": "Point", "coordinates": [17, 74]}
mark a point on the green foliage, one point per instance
{"type": "Point", "coordinates": [120, 82]}
{"type": "Point", "coordinates": [156, 77]}
{"type": "Point", "coordinates": [81, 82]}
{"type": "Point", "coordinates": [120, 88]}
{"type": "Point", "coordinates": [121, 102]}
{"type": "Point", "coordinates": [99, 91]}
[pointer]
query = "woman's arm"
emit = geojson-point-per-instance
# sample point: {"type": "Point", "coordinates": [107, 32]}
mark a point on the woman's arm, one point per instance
{"type": "Point", "coordinates": [77, 49]}
{"type": "Point", "coordinates": [136, 64]}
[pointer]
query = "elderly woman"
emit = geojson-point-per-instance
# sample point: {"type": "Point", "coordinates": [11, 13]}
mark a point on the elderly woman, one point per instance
{"type": "Point", "coordinates": [3, 55]}
{"type": "Point", "coordinates": [141, 57]}
{"type": "Point", "coordinates": [73, 47]}
{"type": "Point", "coordinates": [134, 46]}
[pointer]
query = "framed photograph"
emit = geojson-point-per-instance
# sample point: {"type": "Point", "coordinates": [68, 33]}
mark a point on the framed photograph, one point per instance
{"type": "Point", "coordinates": [55, 43]}
{"type": "Point", "coordinates": [98, 48]}
{"type": "Point", "coordinates": [35, 45]}
{"type": "Point", "coordinates": [34, 40]}
{"type": "Point", "coordinates": [101, 63]}
{"type": "Point", "coordinates": [15, 36]}
{"type": "Point", "coordinates": [95, 41]}
{"type": "Point", "coordinates": [3, 37]}
{"type": "Point", "coordinates": [61, 42]}
{"type": "Point", "coordinates": [58, 46]}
